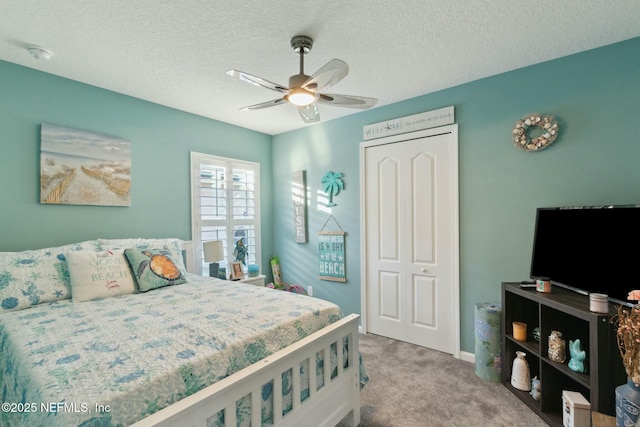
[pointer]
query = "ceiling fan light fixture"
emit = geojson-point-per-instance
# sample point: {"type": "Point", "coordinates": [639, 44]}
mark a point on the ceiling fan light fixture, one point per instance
{"type": "Point", "coordinates": [300, 97]}
{"type": "Point", "coordinates": [305, 92]}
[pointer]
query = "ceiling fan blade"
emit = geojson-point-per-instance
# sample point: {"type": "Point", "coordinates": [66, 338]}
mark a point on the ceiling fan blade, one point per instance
{"type": "Point", "coordinates": [349, 101]}
{"type": "Point", "coordinates": [328, 75]}
{"type": "Point", "coordinates": [309, 113]}
{"type": "Point", "coordinates": [267, 104]}
{"type": "Point", "coordinates": [249, 78]}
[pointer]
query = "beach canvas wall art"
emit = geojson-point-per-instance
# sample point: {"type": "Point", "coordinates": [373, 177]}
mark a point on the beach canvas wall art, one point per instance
{"type": "Point", "coordinates": [83, 168]}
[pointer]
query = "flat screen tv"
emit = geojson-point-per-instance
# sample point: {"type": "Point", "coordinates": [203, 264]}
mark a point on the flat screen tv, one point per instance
{"type": "Point", "coordinates": [589, 249]}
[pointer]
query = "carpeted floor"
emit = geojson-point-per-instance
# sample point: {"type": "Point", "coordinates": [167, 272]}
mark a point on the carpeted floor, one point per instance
{"type": "Point", "coordinates": [411, 386]}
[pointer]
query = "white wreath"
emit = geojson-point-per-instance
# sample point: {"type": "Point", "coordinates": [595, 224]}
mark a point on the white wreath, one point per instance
{"type": "Point", "coordinates": [549, 134]}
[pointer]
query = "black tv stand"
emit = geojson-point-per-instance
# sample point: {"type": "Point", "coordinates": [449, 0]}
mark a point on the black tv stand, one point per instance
{"type": "Point", "coordinates": [568, 312]}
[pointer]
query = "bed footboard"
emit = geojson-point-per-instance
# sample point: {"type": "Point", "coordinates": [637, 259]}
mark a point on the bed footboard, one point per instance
{"type": "Point", "coordinates": [326, 405]}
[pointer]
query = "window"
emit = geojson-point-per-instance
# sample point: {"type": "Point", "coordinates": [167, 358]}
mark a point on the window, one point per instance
{"type": "Point", "coordinates": [225, 205]}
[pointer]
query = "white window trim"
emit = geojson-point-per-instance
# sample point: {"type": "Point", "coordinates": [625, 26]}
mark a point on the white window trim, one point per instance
{"type": "Point", "coordinates": [196, 231]}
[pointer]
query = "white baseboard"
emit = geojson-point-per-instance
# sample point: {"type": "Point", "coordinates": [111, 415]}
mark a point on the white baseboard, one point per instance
{"type": "Point", "coordinates": [468, 357]}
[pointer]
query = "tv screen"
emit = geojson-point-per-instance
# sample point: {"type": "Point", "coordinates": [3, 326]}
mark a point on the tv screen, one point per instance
{"type": "Point", "coordinates": [589, 249]}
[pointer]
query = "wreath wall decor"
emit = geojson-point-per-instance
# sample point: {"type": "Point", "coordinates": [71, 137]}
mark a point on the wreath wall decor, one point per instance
{"type": "Point", "coordinates": [546, 123]}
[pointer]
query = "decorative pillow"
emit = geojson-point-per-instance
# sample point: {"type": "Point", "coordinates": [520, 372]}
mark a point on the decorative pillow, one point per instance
{"type": "Point", "coordinates": [172, 247]}
{"type": "Point", "coordinates": [153, 269]}
{"type": "Point", "coordinates": [33, 277]}
{"type": "Point", "coordinates": [99, 275]}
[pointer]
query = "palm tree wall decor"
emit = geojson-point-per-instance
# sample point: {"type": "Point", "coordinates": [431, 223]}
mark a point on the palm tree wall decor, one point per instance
{"type": "Point", "coordinates": [332, 185]}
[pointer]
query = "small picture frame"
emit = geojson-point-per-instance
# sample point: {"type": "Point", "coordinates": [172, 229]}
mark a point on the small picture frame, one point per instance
{"type": "Point", "coordinates": [237, 272]}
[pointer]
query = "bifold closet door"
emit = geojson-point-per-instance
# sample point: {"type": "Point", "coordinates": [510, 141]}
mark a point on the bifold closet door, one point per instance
{"type": "Point", "coordinates": [410, 233]}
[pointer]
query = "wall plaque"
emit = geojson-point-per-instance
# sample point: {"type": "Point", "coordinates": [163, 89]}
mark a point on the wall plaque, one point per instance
{"type": "Point", "coordinates": [331, 253]}
{"type": "Point", "coordinates": [299, 192]}
{"type": "Point", "coordinates": [429, 119]}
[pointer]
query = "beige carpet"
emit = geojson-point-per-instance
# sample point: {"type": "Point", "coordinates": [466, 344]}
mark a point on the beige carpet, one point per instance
{"type": "Point", "coordinates": [411, 386]}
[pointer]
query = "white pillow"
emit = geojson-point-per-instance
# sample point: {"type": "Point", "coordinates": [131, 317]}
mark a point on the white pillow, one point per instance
{"type": "Point", "coordinates": [99, 275]}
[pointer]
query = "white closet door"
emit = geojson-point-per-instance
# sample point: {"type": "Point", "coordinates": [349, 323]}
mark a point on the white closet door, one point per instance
{"type": "Point", "coordinates": [411, 233]}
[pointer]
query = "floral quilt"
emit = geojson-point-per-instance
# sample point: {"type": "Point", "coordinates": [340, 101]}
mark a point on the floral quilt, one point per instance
{"type": "Point", "coordinates": [111, 362]}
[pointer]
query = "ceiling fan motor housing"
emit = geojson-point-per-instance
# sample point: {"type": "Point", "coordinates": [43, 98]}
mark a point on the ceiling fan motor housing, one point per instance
{"type": "Point", "coordinates": [297, 80]}
{"type": "Point", "coordinates": [301, 44]}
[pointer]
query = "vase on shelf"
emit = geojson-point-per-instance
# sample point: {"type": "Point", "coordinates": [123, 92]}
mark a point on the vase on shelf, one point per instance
{"type": "Point", "coordinates": [520, 374]}
{"type": "Point", "coordinates": [557, 347]}
{"type": "Point", "coordinates": [627, 403]}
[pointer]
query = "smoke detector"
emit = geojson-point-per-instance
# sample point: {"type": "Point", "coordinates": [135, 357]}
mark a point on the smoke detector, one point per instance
{"type": "Point", "coordinates": [39, 52]}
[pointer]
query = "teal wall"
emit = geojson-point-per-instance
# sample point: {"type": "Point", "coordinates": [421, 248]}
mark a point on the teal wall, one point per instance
{"type": "Point", "coordinates": [594, 96]}
{"type": "Point", "coordinates": [594, 161]}
{"type": "Point", "coordinates": [161, 139]}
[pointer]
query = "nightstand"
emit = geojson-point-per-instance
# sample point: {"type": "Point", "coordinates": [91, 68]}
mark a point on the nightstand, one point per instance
{"type": "Point", "coordinates": [257, 280]}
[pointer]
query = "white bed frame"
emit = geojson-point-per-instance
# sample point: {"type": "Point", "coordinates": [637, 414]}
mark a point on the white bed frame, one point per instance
{"type": "Point", "coordinates": [326, 406]}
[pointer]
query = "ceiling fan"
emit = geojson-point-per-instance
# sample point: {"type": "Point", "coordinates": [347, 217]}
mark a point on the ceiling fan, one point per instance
{"type": "Point", "coordinates": [304, 90]}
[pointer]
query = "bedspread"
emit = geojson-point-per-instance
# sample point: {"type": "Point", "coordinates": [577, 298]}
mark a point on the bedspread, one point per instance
{"type": "Point", "coordinates": [114, 361]}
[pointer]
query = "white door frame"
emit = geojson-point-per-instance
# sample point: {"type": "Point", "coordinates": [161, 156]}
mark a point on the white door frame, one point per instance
{"type": "Point", "coordinates": [453, 130]}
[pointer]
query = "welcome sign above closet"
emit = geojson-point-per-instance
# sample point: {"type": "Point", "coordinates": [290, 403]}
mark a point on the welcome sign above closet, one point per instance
{"type": "Point", "coordinates": [429, 119]}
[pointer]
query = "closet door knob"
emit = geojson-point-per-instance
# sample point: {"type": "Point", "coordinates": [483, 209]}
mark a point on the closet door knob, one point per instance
{"type": "Point", "coordinates": [424, 270]}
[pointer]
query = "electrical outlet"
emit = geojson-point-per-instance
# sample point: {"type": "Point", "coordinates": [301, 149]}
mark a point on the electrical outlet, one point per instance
{"type": "Point", "coordinates": [310, 290]}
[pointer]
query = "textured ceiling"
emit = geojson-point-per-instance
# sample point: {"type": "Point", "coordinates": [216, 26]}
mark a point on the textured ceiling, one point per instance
{"type": "Point", "coordinates": [176, 53]}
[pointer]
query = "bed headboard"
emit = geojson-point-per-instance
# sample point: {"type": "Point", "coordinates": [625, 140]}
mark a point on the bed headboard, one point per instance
{"type": "Point", "coordinates": [187, 253]}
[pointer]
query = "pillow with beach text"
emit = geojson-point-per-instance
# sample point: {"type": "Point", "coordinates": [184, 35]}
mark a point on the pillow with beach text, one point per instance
{"type": "Point", "coordinates": [99, 275]}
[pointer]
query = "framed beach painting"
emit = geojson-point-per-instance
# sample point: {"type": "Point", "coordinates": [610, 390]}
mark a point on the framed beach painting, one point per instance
{"type": "Point", "coordinates": [83, 168]}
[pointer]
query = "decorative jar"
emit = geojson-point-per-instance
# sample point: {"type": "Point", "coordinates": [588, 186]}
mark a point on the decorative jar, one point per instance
{"type": "Point", "coordinates": [557, 347]}
{"type": "Point", "coordinates": [536, 333]}
{"type": "Point", "coordinates": [519, 331]}
{"type": "Point", "coordinates": [253, 270]}
{"type": "Point", "coordinates": [598, 303]}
